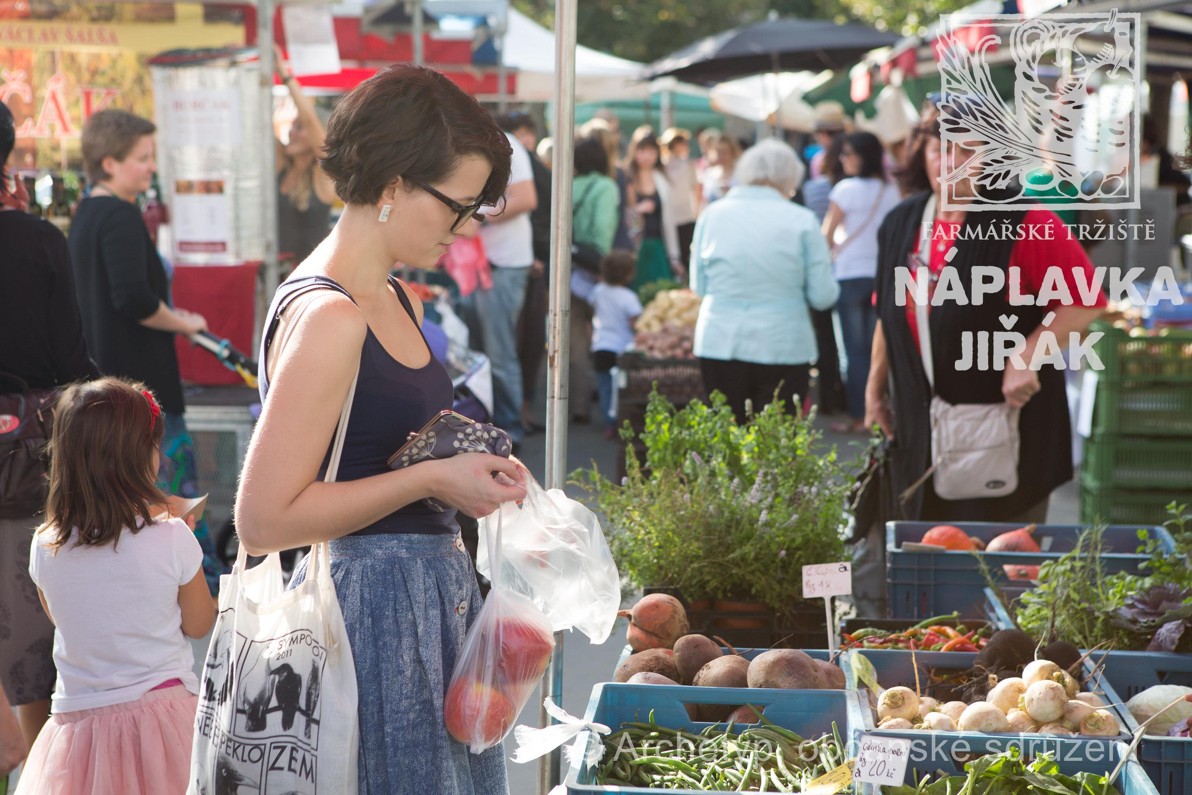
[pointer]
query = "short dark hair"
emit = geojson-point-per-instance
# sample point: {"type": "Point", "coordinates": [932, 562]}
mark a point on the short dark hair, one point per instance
{"type": "Point", "coordinates": [912, 174]}
{"type": "Point", "coordinates": [590, 156]}
{"type": "Point", "coordinates": [101, 462]}
{"type": "Point", "coordinates": [869, 149]}
{"type": "Point", "coordinates": [111, 133]}
{"type": "Point", "coordinates": [8, 137]}
{"type": "Point", "coordinates": [409, 121]}
{"type": "Point", "coordinates": [516, 120]}
{"type": "Point", "coordinates": [618, 267]}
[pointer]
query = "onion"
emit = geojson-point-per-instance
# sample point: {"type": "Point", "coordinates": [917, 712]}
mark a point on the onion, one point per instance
{"type": "Point", "coordinates": [1045, 701]}
{"type": "Point", "coordinates": [1006, 694]}
{"type": "Point", "coordinates": [981, 716]}
{"type": "Point", "coordinates": [898, 702]}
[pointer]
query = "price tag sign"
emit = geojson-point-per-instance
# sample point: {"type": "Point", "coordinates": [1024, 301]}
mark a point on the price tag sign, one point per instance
{"type": "Point", "coordinates": [831, 782]}
{"type": "Point", "coordinates": [827, 579]}
{"type": "Point", "coordinates": [882, 760]}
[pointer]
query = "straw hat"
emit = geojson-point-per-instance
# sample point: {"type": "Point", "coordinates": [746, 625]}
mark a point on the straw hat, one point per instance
{"type": "Point", "coordinates": [829, 116]}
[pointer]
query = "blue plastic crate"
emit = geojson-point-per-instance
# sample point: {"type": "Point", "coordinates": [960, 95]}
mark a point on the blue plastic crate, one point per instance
{"type": "Point", "coordinates": [928, 583]}
{"type": "Point", "coordinates": [810, 713]}
{"type": "Point", "coordinates": [898, 668]}
{"type": "Point", "coordinates": [1167, 760]}
{"type": "Point", "coordinates": [947, 752]}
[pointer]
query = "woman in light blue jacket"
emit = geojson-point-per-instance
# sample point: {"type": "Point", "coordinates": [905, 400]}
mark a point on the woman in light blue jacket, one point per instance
{"type": "Point", "coordinates": [760, 263]}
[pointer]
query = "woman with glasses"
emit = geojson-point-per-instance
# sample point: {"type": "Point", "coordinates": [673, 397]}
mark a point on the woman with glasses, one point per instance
{"type": "Point", "coordinates": [760, 264]}
{"type": "Point", "coordinates": [856, 207]}
{"type": "Point", "coordinates": [413, 158]}
{"type": "Point", "coordinates": [304, 191]}
{"type": "Point", "coordinates": [921, 232]}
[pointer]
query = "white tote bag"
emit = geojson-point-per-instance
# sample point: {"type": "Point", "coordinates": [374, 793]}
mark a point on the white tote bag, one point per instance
{"type": "Point", "coordinates": [277, 703]}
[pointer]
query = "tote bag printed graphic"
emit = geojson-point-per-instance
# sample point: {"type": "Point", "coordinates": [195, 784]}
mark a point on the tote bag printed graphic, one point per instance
{"type": "Point", "coordinates": [277, 703]}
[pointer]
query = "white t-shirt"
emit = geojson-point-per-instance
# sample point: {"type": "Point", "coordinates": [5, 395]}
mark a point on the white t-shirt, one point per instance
{"type": "Point", "coordinates": [613, 311]}
{"type": "Point", "coordinates": [855, 197]}
{"type": "Point", "coordinates": [119, 626]}
{"type": "Point", "coordinates": [510, 244]}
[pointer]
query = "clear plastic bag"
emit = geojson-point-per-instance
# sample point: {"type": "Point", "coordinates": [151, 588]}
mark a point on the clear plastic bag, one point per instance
{"type": "Point", "coordinates": [505, 655]}
{"type": "Point", "coordinates": [554, 552]}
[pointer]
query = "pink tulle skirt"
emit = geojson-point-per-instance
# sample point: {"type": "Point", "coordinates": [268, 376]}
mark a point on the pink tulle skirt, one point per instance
{"type": "Point", "coordinates": [138, 748]}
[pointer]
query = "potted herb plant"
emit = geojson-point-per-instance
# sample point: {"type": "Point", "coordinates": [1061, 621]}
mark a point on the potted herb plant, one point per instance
{"type": "Point", "coordinates": [724, 511]}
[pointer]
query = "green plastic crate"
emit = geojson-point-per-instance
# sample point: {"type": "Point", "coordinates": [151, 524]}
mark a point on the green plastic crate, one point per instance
{"type": "Point", "coordinates": [1143, 410]}
{"type": "Point", "coordinates": [1127, 506]}
{"type": "Point", "coordinates": [1148, 359]}
{"type": "Point", "coordinates": [1138, 463]}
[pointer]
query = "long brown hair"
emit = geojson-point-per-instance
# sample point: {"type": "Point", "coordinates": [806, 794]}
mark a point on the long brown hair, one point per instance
{"type": "Point", "coordinates": [102, 477]}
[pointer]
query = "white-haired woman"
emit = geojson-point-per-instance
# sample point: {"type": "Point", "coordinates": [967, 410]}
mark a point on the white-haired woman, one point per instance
{"type": "Point", "coordinates": [760, 263]}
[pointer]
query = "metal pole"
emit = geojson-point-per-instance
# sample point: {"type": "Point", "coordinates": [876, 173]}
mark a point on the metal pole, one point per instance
{"type": "Point", "coordinates": [416, 13]}
{"type": "Point", "coordinates": [265, 10]}
{"type": "Point", "coordinates": [559, 320]}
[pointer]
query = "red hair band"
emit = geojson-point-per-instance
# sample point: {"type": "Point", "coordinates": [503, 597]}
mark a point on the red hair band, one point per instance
{"type": "Point", "coordinates": [153, 407]}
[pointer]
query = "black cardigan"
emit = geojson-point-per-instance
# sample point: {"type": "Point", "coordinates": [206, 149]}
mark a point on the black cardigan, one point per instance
{"type": "Point", "coordinates": [1045, 452]}
{"type": "Point", "coordinates": [121, 281]}
{"type": "Point", "coordinates": [41, 336]}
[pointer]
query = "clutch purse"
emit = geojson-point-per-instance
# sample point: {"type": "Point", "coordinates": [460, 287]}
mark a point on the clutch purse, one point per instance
{"type": "Point", "coordinates": [447, 434]}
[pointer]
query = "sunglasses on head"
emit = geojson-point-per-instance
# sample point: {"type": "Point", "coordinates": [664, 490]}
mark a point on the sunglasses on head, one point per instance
{"type": "Point", "coordinates": [463, 212]}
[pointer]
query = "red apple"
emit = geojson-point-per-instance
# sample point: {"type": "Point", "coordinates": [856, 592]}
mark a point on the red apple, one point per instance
{"type": "Point", "coordinates": [525, 650]}
{"type": "Point", "coordinates": [477, 714]}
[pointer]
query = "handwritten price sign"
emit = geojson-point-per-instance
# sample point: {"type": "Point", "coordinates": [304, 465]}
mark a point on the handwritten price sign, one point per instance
{"type": "Point", "coordinates": [827, 579]}
{"type": "Point", "coordinates": [882, 760]}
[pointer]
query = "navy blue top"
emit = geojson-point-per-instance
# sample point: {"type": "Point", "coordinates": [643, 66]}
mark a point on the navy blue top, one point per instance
{"type": "Point", "coordinates": [391, 402]}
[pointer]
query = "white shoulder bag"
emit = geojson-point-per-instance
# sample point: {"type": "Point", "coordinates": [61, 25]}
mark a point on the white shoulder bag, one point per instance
{"type": "Point", "coordinates": [974, 446]}
{"type": "Point", "coordinates": [278, 697]}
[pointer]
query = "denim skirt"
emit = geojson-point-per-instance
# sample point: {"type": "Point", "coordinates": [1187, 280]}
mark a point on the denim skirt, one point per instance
{"type": "Point", "coordinates": [407, 601]}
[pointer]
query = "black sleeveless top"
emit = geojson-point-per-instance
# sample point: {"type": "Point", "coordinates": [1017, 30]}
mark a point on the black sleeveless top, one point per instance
{"type": "Point", "coordinates": [299, 232]}
{"type": "Point", "coordinates": [391, 402]}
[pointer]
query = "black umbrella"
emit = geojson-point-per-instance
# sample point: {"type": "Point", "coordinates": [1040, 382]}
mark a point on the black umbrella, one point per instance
{"type": "Point", "coordinates": [775, 45]}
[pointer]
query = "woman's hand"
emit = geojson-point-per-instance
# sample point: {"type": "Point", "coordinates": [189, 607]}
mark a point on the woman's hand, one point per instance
{"type": "Point", "coordinates": [877, 412]}
{"type": "Point", "coordinates": [279, 65]}
{"type": "Point", "coordinates": [477, 483]}
{"type": "Point", "coordinates": [192, 322]}
{"type": "Point", "coordinates": [1019, 384]}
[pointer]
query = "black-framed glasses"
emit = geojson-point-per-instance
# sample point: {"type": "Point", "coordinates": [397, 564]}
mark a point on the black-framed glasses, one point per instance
{"type": "Point", "coordinates": [462, 211]}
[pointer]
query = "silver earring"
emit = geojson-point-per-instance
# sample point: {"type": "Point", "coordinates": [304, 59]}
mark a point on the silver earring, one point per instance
{"type": "Point", "coordinates": [385, 210]}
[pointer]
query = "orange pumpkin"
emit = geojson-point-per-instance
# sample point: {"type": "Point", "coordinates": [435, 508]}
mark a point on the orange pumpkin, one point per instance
{"type": "Point", "coordinates": [1020, 540]}
{"type": "Point", "coordinates": [949, 537]}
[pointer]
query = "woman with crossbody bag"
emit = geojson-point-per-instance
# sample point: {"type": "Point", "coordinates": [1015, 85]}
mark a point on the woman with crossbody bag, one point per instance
{"type": "Point", "coordinates": [939, 473]}
{"type": "Point", "coordinates": [413, 158]}
{"type": "Point", "coordinates": [857, 205]}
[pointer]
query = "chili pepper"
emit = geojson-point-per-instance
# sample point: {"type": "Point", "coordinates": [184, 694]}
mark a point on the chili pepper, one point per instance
{"type": "Point", "coordinates": [864, 632]}
{"type": "Point", "coordinates": [932, 639]}
{"type": "Point", "coordinates": [953, 617]}
{"type": "Point", "coordinates": [965, 647]}
{"type": "Point", "coordinates": [952, 644]}
{"type": "Point", "coordinates": [946, 631]}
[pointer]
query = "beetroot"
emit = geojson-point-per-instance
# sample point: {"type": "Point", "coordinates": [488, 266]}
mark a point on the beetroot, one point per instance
{"type": "Point", "coordinates": [655, 661]}
{"type": "Point", "coordinates": [650, 678]}
{"type": "Point", "coordinates": [693, 652]}
{"type": "Point", "coordinates": [656, 622]}
{"type": "Point", "coordinates": [789, 669]}
{"type": "Point", "coordinates": [727, 671]}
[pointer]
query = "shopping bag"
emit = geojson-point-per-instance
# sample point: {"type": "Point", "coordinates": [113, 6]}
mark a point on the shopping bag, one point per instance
{"type": "Point", "coordinates": [277, 701]}
{"type": "Point", "coordinates": [278, 697]}
{"type": "Point", "coordinates": [553, 551]}
{"type": "Point", "coordinates": [505, 655]}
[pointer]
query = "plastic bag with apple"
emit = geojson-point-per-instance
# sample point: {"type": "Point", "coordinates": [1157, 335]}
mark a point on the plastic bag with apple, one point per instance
{"type": "Point", "coordinates": [554, 552]}
{"type": "Point", "coordinates": [505, 654]}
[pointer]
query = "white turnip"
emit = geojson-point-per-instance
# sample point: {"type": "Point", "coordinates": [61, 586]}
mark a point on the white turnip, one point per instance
{"type": "Point", "coordinates": [1021, 722]}
{"type": "Point", "coordinates": [1056, 728]}
{"type": "Point", "coordinates": [1071, 683]}
{"type": "Point", "coordinates": [898, 702]}
{"type": "Point", "coordinates": [981, 716]}
{"type": "Point", "coordinates": [938, 722]}
{"type": "Point", "coordinates": [954, 709]}
{"type": "Point", "coordinates": [927, 705]}
{"type": "Point", "coordinates": [1101, 723]}
{"type": "Point", "coordinates": [1040, 671]}
{"type": "Point", "coordinates": [1045, 701]}
{"type": "Point", "coordinates": [895, 724]}
{"type": "Point", "coordinates": [1092, 699]}
{"type": "Point", "coordinates": [1074, 713]}
{"type": "Point", "coordinates": [1006, 694]}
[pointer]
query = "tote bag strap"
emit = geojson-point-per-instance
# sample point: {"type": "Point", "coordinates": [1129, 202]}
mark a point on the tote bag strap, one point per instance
{"type": "Point", "coordinates": [921, 306]}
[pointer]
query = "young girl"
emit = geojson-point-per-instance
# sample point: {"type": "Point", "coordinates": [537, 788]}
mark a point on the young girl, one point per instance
{"type": "Point", "coordinates": [124, 586]}
{"type": "Point", "coordinates": [652, 203]}
{"type": "Point", "coordinates": [615, 307]}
